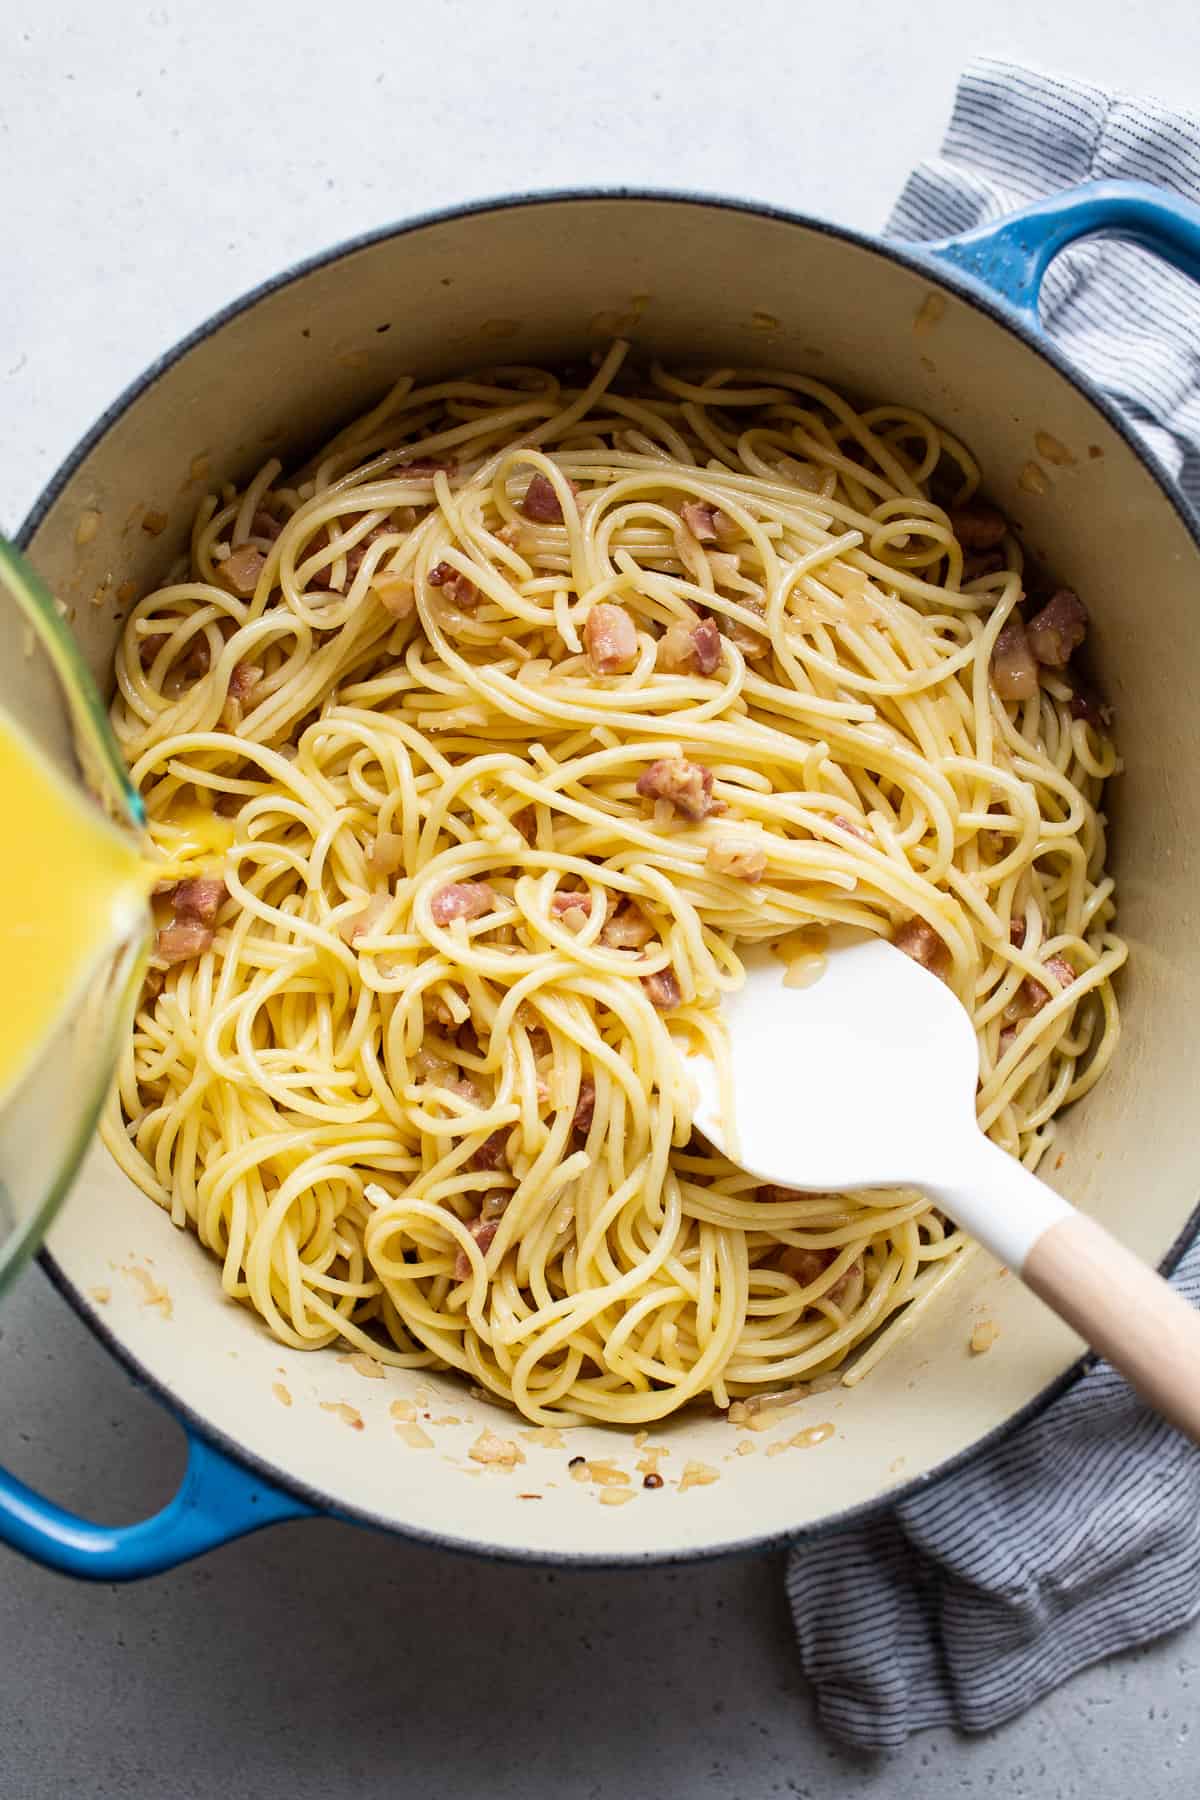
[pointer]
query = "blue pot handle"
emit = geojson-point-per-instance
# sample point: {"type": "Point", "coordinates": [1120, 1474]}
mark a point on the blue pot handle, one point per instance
{"type": "Point", "coordinates": [1010, 256]}
{"type": "Point", "coordinates": [217, 1500]}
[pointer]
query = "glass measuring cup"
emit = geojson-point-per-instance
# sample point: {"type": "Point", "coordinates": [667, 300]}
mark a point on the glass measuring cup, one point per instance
{"type": "Point", "coordinates": [48, 1118]}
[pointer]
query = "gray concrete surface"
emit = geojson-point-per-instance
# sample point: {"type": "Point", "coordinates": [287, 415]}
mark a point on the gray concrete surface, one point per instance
{"type": "Point", "coordinates": [318, 1661]}
{"type": "Point", "coordinates": [155, 161]}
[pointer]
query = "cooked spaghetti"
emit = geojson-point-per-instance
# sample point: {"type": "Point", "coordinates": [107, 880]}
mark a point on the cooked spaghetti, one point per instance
{"type": "Point", "coordinates": [478, 748]}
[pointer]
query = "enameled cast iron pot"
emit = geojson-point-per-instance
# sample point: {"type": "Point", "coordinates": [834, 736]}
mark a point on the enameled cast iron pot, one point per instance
{"type": "Point", "coordinates": [952, 329]}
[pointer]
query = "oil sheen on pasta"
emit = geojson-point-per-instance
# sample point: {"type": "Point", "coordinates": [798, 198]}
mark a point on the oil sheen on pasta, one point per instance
{"type": "Point", "coordinates": [464, 1141]}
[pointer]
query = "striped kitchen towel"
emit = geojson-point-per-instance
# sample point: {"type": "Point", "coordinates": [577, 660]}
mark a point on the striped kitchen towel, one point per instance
{"type": "Point", "coordinates": [1080, 1535]}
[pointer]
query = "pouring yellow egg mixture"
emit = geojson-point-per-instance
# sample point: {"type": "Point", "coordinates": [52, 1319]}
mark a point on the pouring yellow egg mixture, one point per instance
{"type": "Point", "coordinates": [75, 888]}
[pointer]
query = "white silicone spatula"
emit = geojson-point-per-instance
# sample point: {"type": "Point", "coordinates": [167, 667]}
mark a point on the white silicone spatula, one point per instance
{"type": "Point", "coordinates": [866, 1078]}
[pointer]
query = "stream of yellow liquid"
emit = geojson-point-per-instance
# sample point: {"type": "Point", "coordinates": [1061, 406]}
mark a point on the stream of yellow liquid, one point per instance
{"type": "Point", "coordinates": [73, 889]}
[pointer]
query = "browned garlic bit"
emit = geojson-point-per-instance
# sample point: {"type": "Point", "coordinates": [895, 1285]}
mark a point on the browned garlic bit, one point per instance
{"type": "Point", "coordinates": [349, 1415]}
{"type": "Point", "coordinates": [495, 1452]}
{"type": "Point", "coordinates": [697, 1474]}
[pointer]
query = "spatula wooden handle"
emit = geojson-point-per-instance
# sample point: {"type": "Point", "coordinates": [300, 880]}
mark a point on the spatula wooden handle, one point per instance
{"type": "Point", "coordinates": [1126, 1311]}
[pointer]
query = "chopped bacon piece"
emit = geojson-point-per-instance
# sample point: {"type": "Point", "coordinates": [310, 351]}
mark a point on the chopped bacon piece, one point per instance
{"type": "Point", "coordinates": [1007, 1039]}
{"type": "Point", "coordinates": [1087, 704]}
{"type": "Point", "coordinates": [1017, 929]}
{"type": "Point", "coordinates": [242, 683]}
{"type": "Point", "coordinates": [1061, 969]}
{"type": "Point", "coordinates": [675, 652]}
{"type": "Point", "coordinates": [195, 658]}
{"type": "Point", "coordinates": [585, 1106]}
{"type": "Point", "coordinates": [804, 1264]}
{"type": "Point", "coordinates": [1014, 672]}
{"type": "Point", "coordinates": [356, 553]}
{"type": "Point", "coordinates": [610, 639]}
{"type": "Point", "coordinates": [982, 562]}
{"type": "Point", "coordinates": [752, 644]}
{"type": "Point", "coordinates": [244, 680]}
{"type": "Point", "coordinates": [571, 900]}
{"type": "Point", "coordinates": [525, 822]}
{"type": "Point", "coordinates": [321, 540]}
{"type": "Point", "coordinates": [240, 571]}
{"type": "Point", "coordinates": [662, 988]}
{"type": "Point", "coordinates": [429, 1066]}
{"type": "Point", "coordinates": [541, 502]}
{"type": "Point", "coordinates": [483, 1231]}
{"type": "Point", "coordinates": [845, 1281]}
{"type": "Point", "coordinates": [685, 647]}
{"type": "Point", "coordinates": [733, 856]}
{"type": "Point", "coordinates": [687, 785]}
{"type": "Point", "coordinates": [1057, 631]}
{"type": "Point", "coordinates": [386, 854]}
{"type": "Point", "coordinates": [462, 900]}
{"type": "Point", "coordinates": [456, 587]}
{"type": "Point", "coordinates": [1032, 995]}
{"type": "Point", "coordinates": [183, 939]}
{"type": "Point", "coordinates": [707, 641]}
{"type": "Point", "coordinates": [849, 825]}
{"type": "Point", "coordinates": [490, 1153]}
{"type": "Point", "coordinates": [627, 929]}
{"type": "Point", "coordinates": [808, 1265]}
{"type": "Point", "coordinates": [707, 524]}
{"type": "Point", "coordinates": [265, 525]}
{"type": "Point", "coordinates": [394, 593]}
{"type": "Point", "coordinates": [922, 943]}
{"type": "Point", "coordinates": [978, 526]}
{"type": "Point", "coordinates": [199, 898]}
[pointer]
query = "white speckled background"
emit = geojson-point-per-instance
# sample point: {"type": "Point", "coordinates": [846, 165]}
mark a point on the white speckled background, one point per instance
{"type": "Point", "coordinates": [154, 162]}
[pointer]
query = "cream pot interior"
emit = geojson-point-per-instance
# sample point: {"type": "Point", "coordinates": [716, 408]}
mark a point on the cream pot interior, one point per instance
{"type": "Point", "coordinates": [693, 280]}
